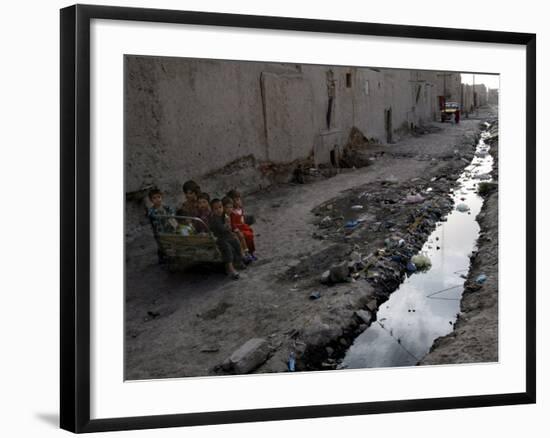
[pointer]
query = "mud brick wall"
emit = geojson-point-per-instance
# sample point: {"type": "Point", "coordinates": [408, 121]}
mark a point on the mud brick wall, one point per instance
{"type": "Point", "coordinates": [222, 123]}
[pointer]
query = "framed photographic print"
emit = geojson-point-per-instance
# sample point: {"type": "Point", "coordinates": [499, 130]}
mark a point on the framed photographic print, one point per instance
{"type": "Point", "coordinates": [270, 218]}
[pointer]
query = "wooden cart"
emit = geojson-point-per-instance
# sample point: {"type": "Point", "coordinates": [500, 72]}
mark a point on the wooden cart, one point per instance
{"type": "Point", "coordinates": [181, 251]}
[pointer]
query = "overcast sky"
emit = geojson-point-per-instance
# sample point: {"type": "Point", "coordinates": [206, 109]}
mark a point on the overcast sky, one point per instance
{"type": "Point", "coordinates": [491, 81]}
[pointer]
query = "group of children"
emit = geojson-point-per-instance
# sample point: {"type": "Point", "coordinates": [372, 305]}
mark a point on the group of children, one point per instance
{"type": "Point", "coordinates": [224, 218]}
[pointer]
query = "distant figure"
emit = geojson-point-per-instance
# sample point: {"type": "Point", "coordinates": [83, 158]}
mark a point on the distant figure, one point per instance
{"type": "Point", "coordinates": [299, 175]}
{"type": "Point", "coordinates": [457, 116]}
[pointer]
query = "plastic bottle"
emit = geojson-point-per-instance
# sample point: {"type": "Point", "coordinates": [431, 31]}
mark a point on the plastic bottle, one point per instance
{"type": "Point", "coordinates": [292, 361]}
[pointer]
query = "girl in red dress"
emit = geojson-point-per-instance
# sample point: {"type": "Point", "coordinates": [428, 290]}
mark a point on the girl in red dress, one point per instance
{"type": "Point", "coordinates": [238, 222]}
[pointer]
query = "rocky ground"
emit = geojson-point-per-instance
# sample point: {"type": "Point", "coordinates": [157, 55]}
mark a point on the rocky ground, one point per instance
{"type": "Point", "coordinates": [330, 252]}
{"type": "Point", "coordinates": [475, 334]}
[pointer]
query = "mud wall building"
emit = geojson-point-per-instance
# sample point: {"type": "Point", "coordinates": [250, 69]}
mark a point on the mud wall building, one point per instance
{"type": "Point", "coordinates": [449, 85]}
{"type": "Point", "coordinates": [246, 125]}
{"type": "Point", "coordinates": [467, 99]}
{"type": "Point", "coordinates": [480, 95]}
{"type": "Point", "coordinates": [227, 123]}
{"type": "Point", "coordinates": [492, 96]}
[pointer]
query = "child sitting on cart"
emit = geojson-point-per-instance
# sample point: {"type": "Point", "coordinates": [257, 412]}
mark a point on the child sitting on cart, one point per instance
{"type": "Point", "coordinates": [227, 243]}
{"type": "Point", "coordinates": [227, 203]}
{"type": "Point", "coordinates": [238, 222]}
{"type": "Point", "coordinates": [161, 219]}
{"type": "Point", "coordinates": [191, 190]}
{"type": "Point", "coordinates": [203, 213]}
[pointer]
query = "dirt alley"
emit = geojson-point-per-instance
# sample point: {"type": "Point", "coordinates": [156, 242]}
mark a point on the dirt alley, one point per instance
{"type": "Point", "coordinates": [186, 324]}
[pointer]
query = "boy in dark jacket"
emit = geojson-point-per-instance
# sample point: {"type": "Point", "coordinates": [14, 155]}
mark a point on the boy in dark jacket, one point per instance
{"type": "Point", "coordinates": [227, 243]}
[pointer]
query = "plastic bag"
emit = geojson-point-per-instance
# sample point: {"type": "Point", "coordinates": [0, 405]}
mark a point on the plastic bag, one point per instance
{"type": "Point", "coordinates": [421, 261]}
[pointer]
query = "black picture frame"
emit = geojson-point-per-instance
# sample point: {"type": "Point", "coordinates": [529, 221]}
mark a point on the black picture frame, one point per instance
{"type": "Point", "coordinates": [75, 217]}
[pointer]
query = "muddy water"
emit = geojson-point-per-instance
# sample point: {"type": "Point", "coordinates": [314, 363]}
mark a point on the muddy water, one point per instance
{"type": "Point", "coordinates": [426, 304]}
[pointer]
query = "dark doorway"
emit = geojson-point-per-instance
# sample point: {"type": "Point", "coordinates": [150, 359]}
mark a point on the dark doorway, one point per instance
{"type": "Point", "coordinates": [333, 157]}
{"type": "Point", "coordinates": [388, 125]}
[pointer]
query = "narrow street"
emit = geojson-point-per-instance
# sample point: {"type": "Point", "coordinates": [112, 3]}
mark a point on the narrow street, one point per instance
{"type": "Point", "coordinates": [187, 324]}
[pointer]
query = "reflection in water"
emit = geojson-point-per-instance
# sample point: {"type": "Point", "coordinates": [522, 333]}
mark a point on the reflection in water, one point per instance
{"type": "Point", "coordinates": [426, 304]}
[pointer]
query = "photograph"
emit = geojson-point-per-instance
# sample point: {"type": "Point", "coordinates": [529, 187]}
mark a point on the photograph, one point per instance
{"type": "Point", "coordinates": [287, 217]}
{"type": "Point", "coordinates": [275, 219]}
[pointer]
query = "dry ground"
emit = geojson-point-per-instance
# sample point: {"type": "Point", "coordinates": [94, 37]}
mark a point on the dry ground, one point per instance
{"type": "Point", "coordinates": [184, 324]}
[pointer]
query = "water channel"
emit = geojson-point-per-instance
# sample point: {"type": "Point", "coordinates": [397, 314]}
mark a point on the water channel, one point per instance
{"type": "Point", "coordinates": [426, 304]}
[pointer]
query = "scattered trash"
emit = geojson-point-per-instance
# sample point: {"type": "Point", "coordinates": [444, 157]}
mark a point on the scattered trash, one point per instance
{"type": "Point", "coordinates": [364, 218]}
{"type": "Point", "coordinates": [411, 267]}
{"type": "Point", "coordinates": [326, 221]}
{"type": "Point", "coordinates": [371, 274]}
{"type": "Point", "coordinates": [414, 199]}
{"type": "Point", "coordinates": [351, 224]}
{"type": "Point", "coordinates": [357, 207]}
{"type": "Point", "coordinates": [355, 257]}
{"type": "Point", "coordinates": [481, 279]}
{"type": "Point", "coordinates": [291, 362]}
{"type": "Point", "coordinates": [421, 261]}
{"type": "Point", "coordinates": [394, 242]}
{"type": "Point", "coordinates": [462, 207]}
{"type": "Point", "coordinates": [315, 295]}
